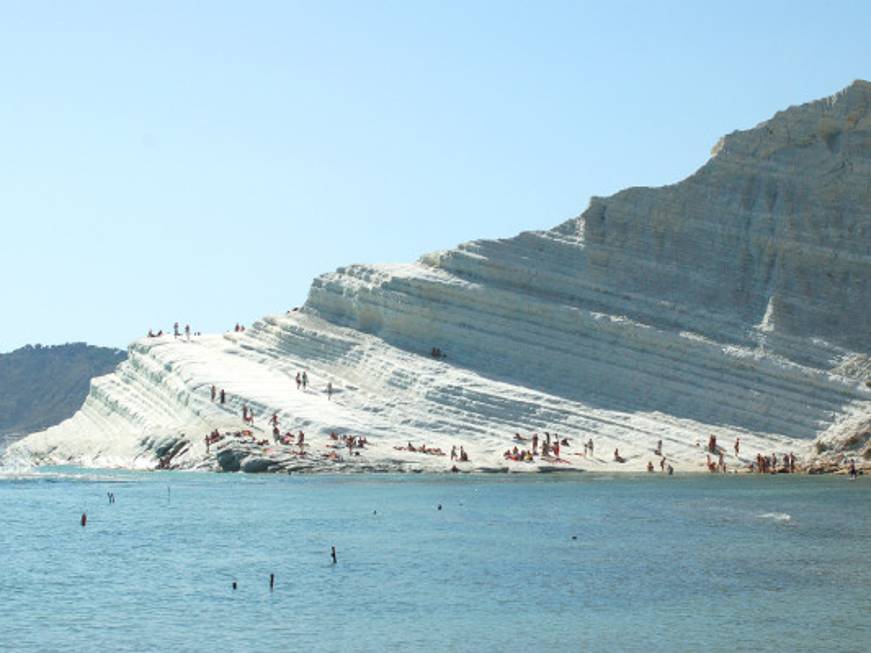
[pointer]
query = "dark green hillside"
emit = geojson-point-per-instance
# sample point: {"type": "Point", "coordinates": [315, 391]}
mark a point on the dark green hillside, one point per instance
{"type": "Point", "coordinates": [41, 386]}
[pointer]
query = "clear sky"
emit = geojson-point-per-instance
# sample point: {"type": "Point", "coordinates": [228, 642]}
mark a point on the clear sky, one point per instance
{"type": "Point", "coordinates": [202, 162]}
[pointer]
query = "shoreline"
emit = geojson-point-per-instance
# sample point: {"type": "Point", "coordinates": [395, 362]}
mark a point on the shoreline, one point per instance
{"type": "Point", "coordinates": [261, 467]}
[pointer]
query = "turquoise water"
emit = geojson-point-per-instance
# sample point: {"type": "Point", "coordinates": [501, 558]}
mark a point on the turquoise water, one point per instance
{"type": "Point", "coordinates": [659, 564]}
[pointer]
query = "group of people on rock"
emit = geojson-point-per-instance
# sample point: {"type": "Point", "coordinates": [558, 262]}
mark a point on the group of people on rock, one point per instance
{"type": "Point", "coordinates": [247, 415]}
{"type": "Point", "coordinates": [761, 465]}
{"type": "Point", "coordinates": [302, 383]}
{"type": "Point", "coordinates": [768, 464]}
{"type": "Point", "coordinates": [550, 447]}
{"type": "Point", "coordinates": [290, 439]}
{"type": "Point", "coordinates": [221, 396]}
{"type": "Point", "coordinates": [431, 451]}
{"type": "Point", "coordinates": [212, 438]}
{"type": "Point", "coordinates": [663, 466]}
{"type": "Point", "coordinates": [437, 353]}
{"type": "Point", "coordinates": [176, 333]}
{"type": "Point", "coordinates": [518, 455]}
{"type": "Point", "coordinates": [239, 328]}
{"type": "Point", "coordinates": [720, 465]}
{"type": "Point", "coordinates": [461, 456]}
{"type": "Point", "coordinates": [351, 442]}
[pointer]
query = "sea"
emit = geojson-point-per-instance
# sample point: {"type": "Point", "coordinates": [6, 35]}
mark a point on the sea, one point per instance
{"type": "Point", "coordinates": [528, 563]}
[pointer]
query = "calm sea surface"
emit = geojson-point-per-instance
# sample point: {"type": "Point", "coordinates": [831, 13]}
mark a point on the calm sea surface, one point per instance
{"type": "Point", "coordinates": [659, 564]}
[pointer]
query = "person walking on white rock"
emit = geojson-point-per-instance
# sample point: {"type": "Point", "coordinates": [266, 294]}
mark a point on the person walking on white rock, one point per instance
{"type": "Point", "coordinates": [737, 446]}
{"type": "Point", "coordinates": [329, 390]}
{"type": "Point", "coordinates": [175, 330]}
{"type": "Point", "coordinates": [298, 380]}
{"type": "Point", "coordinates": [214, 392]}
{"type": "Point", "coordinates": [304, 380]}
{"type": "Point", "coordinates": [187, 332]}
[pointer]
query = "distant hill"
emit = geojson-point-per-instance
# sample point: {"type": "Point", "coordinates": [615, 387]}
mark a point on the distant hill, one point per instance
{"type": "Point", "coordinates": [42, 386]}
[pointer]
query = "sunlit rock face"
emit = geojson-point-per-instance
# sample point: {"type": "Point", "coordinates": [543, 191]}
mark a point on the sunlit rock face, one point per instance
{"type": "Point", "coordinates": [735, 302]}
{"type": "Point", "coordinates": [700, 299]}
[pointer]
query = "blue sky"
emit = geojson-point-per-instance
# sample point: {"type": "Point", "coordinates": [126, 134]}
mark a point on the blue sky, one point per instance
{"type": "Point", "coordinates": [202, 162]}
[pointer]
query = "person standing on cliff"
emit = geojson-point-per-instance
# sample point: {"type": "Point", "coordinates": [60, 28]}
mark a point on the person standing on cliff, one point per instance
{"type": "Point", "coordinates": [304, 380]}
{"type": "Point", "coordinates": [298, 380]}
{"type": "Point", "coordinates": [187, 332]}
{"type": "Point", "coordinates": [175, 330]}
{"type": "Point", "coordinates": [223, 396]}
{"type": "Point", "coordinates": [329, 390]}
{"type": "Point", "coordinates": [214, 392]}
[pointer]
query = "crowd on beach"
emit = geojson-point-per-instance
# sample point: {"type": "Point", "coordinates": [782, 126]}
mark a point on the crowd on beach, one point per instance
{"type": "Point", "coordinates": [664, 465]}
{"type": "Point", "coordinates": [424, 449]}
{"type": "Point", "coordinates": [526, 449]}
{"type": "Point", "coordinates": [768, 464]}
{"type": "Point", "coordinates": [551, 446]}
{"type": "Point", "coordinates": [533, 448]}
{"type": "Point", "coordinates": [763, 464]}
{"type": "Point", "coordinates": [353, 443]}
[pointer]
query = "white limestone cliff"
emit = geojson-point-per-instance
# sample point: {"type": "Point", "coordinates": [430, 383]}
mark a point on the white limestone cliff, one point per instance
{"type": "Point", "coordinates": [733, 303]}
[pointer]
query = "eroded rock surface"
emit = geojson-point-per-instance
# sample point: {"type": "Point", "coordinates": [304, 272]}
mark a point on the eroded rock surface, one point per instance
{"type": "Point", "coordinates": [733, 303]}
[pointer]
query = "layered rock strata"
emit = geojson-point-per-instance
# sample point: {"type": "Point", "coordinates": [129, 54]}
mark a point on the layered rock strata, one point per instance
{"type": "Point", "coordinates": [733, 303]}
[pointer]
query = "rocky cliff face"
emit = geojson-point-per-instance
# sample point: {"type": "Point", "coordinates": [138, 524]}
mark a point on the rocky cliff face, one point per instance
{"type": "Point", "coordinates": [734, 302]}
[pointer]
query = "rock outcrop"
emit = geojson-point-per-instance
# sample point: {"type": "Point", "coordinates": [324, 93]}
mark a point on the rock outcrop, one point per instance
{"type": "Point", "coordinates": [732, 303]}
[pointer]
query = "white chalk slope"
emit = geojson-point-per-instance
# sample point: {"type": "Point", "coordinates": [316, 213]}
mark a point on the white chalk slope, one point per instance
{"type": "Point", "coordinates": [733, 303]}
